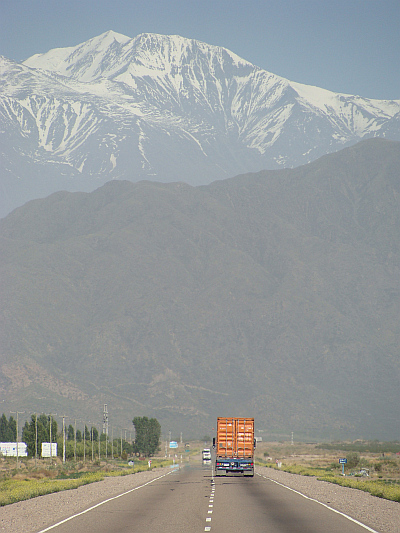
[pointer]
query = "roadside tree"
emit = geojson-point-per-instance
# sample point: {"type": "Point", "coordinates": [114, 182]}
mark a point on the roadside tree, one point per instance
{"type": "Point", "coordinates": [70, 432]}
{"type": "Point", "coordinates": [95, 434]}
{"type": "Point", "coordinates": [148, 434]}
{"type": "Point", "coordinates": [8, 429]}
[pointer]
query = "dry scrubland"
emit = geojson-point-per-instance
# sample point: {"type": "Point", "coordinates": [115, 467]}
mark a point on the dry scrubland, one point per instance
{"type": "Point", "coordinates": [368, 467]}
{"type": "Point", "coordinates": [382, 465]}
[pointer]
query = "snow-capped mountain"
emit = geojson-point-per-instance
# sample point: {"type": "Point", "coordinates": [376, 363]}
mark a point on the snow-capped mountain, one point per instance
{"type": "Point", "coordinates": [164, 108]}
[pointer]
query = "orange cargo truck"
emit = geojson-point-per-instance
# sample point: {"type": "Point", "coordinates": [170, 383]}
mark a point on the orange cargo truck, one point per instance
{"type": "Point", "coordinates": [234, 446]}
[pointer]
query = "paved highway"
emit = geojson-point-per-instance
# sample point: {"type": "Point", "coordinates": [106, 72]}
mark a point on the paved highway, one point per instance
{"type": "Point", "coordinates": [192, 500]}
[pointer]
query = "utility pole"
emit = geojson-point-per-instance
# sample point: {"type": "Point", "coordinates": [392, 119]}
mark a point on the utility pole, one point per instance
{"type": "Point", "coordinates": [35, 440]}
{"type": "Point", "coordinates": [105, 427]}
{"type": "Point", "coordinates": [91, 438]}
{"type": "Point", "coordinates": [17, 413]}
{"type": "Point", "coordinates": [75, 442]}
{"type": "Point", "coordinates": [51, 444]}
{"type": "Point", "coordinates": [105, 419]}
{"type": "Point", "coordinates": [63, 418]}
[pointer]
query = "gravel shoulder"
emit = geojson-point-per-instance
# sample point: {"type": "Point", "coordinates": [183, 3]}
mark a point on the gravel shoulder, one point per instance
{"type": "Point", "coordinates": [379, 514]}
{"type": "Point", "coordinates": [35, 515]}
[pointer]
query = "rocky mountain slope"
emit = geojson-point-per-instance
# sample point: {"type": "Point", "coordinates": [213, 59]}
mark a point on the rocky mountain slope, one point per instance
{"type": "Point", "coordinates": [274, 295]}
{"type": "Point", "coordinates": [163, 108]}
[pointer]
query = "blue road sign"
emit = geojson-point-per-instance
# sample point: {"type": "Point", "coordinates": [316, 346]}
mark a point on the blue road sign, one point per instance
{"type": "Point", "coordinates": [343, 462]}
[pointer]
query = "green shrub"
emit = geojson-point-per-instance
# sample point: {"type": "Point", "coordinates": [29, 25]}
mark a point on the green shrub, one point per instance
{"type": "Point", "coordinates": [353, 459]}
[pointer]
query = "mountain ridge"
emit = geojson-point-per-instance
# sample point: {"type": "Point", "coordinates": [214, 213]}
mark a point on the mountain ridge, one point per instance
{"type": "Point", "coordinates": [163, 108]}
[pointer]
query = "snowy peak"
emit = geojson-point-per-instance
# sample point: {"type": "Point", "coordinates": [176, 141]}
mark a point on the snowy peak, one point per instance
{"type": "Point", "coordinates": [166, 108]}
{"type": "Point", "coordinates": [111, 53]}
{"type": "Point", "coordinates": [84, 61]}
{"type": "Point", "coordinates": [205, 87]}
{"type": "Point", "coordinates": [168, 74]}
{"type": "Point", "coordinates": [165, 52]}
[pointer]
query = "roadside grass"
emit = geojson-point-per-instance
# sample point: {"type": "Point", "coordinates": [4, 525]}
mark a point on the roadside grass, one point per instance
{"type": "Point", "coordinates": [14, 489]}
{"type": "Point", "coordinates": [382, 489]}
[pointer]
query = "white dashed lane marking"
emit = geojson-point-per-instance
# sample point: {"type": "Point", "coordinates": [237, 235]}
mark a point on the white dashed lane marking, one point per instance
{"type": "Point", "coordinates": [210, 505]}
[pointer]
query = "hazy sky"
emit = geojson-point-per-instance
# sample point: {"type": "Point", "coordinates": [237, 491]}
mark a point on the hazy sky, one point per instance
{"type": "Point", "coordinates": [348, 46]}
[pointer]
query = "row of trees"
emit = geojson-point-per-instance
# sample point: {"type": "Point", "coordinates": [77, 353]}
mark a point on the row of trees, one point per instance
{"type": "Point", "coordinates": [40, 429]}
{"type": "Point", "coordinates": [80, 436]}
{"type": "Point", "coordinates": [86, 443]}
{"type": "Point", "coordinates": [78, 444]}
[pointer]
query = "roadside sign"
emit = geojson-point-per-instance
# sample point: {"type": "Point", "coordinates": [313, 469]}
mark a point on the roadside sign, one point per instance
{"type": "Point", "coordinates": [9, 449]}
{"type": "Point", "coordinates": [173, 444]}
{"type": "Point", "coordinates": [47, 452]}
{"type": "Point", "coordinates": [343, 461]}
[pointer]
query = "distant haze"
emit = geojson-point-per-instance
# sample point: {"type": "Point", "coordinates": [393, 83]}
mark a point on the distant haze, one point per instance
{"type": "Point", "coordinates": [273, 295]}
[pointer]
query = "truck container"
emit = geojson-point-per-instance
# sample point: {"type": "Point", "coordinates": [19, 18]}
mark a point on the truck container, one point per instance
{"type": "Point", "coordinates": [234, 446]}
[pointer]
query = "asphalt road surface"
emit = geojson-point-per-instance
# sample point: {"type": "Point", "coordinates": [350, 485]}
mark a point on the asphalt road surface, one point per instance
{"type": "Point", "coordinates": [192, 500]}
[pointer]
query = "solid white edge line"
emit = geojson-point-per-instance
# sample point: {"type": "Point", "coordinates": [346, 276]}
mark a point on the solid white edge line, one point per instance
{"type": "Point", "coordinates": [101, 503]}
{"type": "Point", "coordinates": [320, 503]}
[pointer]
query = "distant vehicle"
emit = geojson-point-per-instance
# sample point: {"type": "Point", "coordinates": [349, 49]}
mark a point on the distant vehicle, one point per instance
{"type": "Point", "coordinates": [206, 454]}
{"type": "Point", "coordinates": [234, 446]}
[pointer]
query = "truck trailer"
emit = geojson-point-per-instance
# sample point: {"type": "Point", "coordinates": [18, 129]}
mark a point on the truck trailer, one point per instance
{"type": "Point", "coordinates": [234, 446]}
